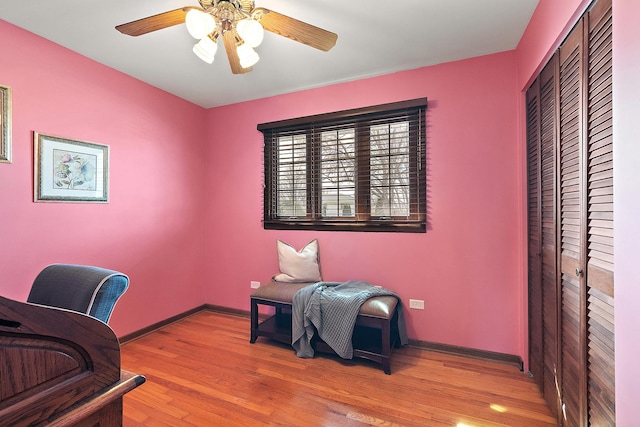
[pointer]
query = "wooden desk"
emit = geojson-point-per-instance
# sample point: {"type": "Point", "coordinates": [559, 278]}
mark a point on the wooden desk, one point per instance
{"type": "Point", "coordinates": [59, 368]}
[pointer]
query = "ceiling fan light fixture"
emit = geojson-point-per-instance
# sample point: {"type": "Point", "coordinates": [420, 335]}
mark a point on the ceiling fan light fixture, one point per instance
{"type": "Point", "coordinates": [248, 57]}
{"type": "Point", "coordinates": [251, 31]}
{"type": "Point", "coordinates": [206, 49]}
{"type": "Point", "coordinates": [199, 23]}
{"type": "Point", "coordinates": [239, 23]}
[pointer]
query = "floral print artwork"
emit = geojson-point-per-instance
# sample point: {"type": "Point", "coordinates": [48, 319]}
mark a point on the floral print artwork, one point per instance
{"type": "Point", "coordinates": [69, 171]}
{"type": "Point", "coordinates": [74, 171]}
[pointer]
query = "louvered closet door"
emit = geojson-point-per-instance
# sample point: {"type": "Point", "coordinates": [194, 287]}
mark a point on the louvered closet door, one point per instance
{"type": "Point", "coordinates": [572, 230]}
{"type": "Point", "coordinates": [600, 327]}
{"type": "Point", "coordinates": [548, 209]}
{"type": "Point", "coordinates": [543, 295]}
{"type": "Point", "coordinates": [570, 181]}
{"type": "Point", "coordinates": [534, 230]}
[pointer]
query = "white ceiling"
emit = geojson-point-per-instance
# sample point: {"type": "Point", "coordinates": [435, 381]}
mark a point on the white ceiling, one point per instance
{"type": "Point", "coordinates": [374, 37]}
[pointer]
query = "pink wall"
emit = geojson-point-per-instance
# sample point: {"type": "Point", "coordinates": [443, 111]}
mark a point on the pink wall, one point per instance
{"type": "Point", "coordinates": [465, 268]}
{"type": "Point", "coordinates": [626, 128]}
{"type": "Point", "coordinates": [549, 25]}
{"type": "Point", "coordinates": [152, 227]}
{"type": "Point", "coordinates": [178, 233]}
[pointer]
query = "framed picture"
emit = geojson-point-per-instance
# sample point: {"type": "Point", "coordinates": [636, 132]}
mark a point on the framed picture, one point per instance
{"type": "Point", "coordinates": [70, 171]}
{"type": "Point", "coordinates": [5, 124]}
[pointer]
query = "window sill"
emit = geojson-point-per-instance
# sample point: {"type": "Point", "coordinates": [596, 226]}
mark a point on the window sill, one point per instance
{"type": "Point", "coordinates": [370, 226]}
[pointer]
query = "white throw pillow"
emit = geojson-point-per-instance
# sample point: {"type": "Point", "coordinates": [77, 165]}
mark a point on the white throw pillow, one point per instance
{"type": "Point", "coordinates": [298, 266]}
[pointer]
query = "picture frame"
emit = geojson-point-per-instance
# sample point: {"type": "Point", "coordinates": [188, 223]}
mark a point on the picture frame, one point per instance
{"type": "Point", "coordinates": [67, 170]}
{"type": "Point", "coordinates": [5, 124]}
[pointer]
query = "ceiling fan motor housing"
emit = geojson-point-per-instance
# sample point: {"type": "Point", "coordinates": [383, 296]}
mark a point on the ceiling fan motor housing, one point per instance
{"type": "Point", "coordinates": [244, 5]}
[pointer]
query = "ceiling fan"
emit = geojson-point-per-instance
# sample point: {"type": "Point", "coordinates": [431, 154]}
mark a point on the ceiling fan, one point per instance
{"type": "Point", "coordinates": [241, 26]}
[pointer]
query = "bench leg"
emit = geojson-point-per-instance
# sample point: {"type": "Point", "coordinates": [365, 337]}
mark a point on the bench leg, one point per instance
{"type": "Point", "coordinates": [254, 321]}
{"type": "Point", "coordinates": [280, 319]}
{"type": "Point", "coordinates": [386, 346]}
{"type": "Point", "coordinates": [395, 334]}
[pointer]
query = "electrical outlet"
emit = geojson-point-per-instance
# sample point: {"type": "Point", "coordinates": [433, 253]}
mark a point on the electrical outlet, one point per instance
{"type": "Point", "coordinates": [255, 285]}
{"type": "Point", "coordinates": [418, 304]}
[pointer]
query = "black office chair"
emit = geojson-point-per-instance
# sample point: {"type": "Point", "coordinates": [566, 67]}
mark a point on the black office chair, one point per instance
{"type": "Point", "coordinates": [82, 288]}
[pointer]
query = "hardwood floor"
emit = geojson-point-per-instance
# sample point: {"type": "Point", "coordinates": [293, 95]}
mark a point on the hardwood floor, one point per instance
{"type": "Point", "coordinates": [202, 371]}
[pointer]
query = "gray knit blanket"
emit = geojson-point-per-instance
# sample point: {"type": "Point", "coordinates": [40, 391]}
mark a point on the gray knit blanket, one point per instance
{"type": "Point", "coordinates": [331, 309]}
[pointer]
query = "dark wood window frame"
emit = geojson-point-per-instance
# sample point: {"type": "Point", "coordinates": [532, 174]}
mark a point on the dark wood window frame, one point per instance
{"type": "Point", "coordinates": [311, 130]}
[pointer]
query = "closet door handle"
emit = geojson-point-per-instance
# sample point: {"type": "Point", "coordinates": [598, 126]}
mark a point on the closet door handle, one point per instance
{"type": "Point", "coordinates": [579, 272]}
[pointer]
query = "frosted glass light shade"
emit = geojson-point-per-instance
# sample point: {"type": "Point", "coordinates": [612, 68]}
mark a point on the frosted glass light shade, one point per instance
{"type": "Point", "coordinates": [199, 23]}
{"type": "Point", "coordinates": [248, 57]}
{"type": "Point", "coordinates": [206, 49]}
{"type": "Point", "coordinates": [251, 32]}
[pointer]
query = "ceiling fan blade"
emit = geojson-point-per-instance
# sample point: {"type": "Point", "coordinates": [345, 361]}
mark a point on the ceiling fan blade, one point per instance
{"type": "Point", "coordinates": [229, 38]}
{"type": "Point", "coordinates": [155, 22]}
{"type": "Point", "coordinates": [296, 30]}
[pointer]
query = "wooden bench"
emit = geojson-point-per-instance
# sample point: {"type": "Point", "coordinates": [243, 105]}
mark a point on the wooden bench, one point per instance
{"type": "Point", "coordinates": [375, 332]}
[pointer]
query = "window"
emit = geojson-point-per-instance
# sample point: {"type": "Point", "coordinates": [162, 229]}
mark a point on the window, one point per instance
{"type": "Point", "coordinates": [355, 170]}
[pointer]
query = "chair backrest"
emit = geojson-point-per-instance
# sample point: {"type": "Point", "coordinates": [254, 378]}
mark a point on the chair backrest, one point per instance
{"type": "Point", "coordinates": [82, 288]}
